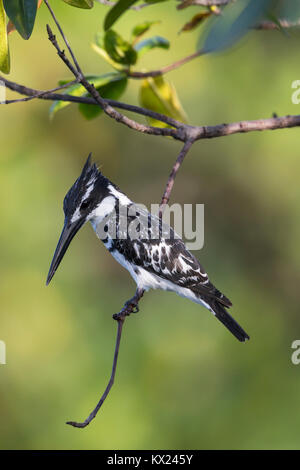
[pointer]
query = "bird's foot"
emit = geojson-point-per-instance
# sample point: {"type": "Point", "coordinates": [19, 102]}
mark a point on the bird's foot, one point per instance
{"type": "Point", "coordinates": [131, 306]}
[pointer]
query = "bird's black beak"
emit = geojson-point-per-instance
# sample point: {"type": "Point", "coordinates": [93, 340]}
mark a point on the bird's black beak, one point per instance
{"type": "Point", "coordinates": [68, 233]}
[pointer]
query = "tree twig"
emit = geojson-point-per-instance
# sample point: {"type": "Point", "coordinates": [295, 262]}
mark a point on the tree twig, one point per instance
{"type": "Point", "coordinates": [41, 94]}
{"type": "Point", "coordinates": [133, 7]}
{"type": "Point", "coordinates": [182, 131]}
{"type": "Point", "coordinates": [130, 307]}
{"type": "Point", "coordinates": [50, 96]}
{"type": "Point", "coordinates": [202, 3]}
{"type": "Point", "coordinates": [170, 183]}
{"type": "Point", "coordinates": [264, 25]}
{"type": "Point", "coordinates": [64, 38]}
{"type": "Point", "coordinates": [270, 25]}
{"type": "Point", "coordinates": [167, 68]}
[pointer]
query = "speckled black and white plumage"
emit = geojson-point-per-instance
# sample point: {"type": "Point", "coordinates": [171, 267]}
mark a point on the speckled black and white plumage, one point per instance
{"type": "Point", "coordinates": [155, 256]}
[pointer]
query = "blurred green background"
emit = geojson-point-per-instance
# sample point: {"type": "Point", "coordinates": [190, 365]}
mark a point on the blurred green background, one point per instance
{"type": "Point", "coordinates": [183, 381]}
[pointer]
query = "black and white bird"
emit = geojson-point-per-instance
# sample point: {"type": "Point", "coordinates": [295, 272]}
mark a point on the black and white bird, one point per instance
{"type": "Point", "coordinates": [150, 250]}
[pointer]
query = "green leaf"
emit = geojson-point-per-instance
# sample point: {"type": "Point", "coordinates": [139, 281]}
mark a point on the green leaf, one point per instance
{"type": "Point", "coordinates": [102, 52]}
{"type": "Point", "coordinates": [234, 23]}
{"type": "Point", "coordinates": [116, 11]}
{"type": "Point", "coordinates": [159, 95]}
{"type": "Point", "coordinates": [142, 28]}
{"type": "Point", "coordinates": [99, 47]}
{"type": "Point", "coordinates": [113, 90]}
{"type": "Point", "coordinates": [80, 3]}
{"type": "Point", "coordinates": [157, 41]}
{"type": "Point", "coordinates": [78, 90]}
{"type": "Point", "coordinates": [4, 50]}
{"type": "Point", "coordinates": [118, 49]}
{"type": "Point", "coordinates": [22, 14]}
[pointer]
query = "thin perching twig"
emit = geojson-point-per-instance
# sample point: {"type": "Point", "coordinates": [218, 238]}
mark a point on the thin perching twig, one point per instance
{"type": "Point", "coordinates": [130, 307]}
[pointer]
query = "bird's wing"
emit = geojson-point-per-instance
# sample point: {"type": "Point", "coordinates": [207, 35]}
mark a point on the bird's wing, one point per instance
{"type": "Point", "coordinates": [161, 251]}
{"type": "Point", "coordinates": [169, 259]}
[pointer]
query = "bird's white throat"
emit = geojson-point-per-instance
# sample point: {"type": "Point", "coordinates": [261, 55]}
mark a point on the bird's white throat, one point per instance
{"type": "Point", "coordinates": [106, 207]}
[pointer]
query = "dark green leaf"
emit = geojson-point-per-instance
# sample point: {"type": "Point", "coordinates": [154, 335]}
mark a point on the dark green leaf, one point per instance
{"type": "Point", "coordinates": [118, 49]}
{"type": "Point", "coordinates": [112, 90]}
{"type": "Point", "coordinates": [99, 47]}
{"type": "Point", "coordinates": [142, 28]}
{"type": "Point", "coordinates": [4, 50]}
{"type": "Point", "coordinates": [80, 3]}
{"type": "Point", "coordinates": [157, 41]}
{"type": "Point", "coordinates": [235, 22]}
{"type": "Point", "coordinates": [78, 90]}
{"type": "Point", "coordinates": [22, 14]}
{"type": "Point", "coordinates": [116, 11]}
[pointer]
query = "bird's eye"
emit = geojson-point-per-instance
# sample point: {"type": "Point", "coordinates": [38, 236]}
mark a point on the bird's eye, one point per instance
{"type": "Point", "coordinates": [85, 204]}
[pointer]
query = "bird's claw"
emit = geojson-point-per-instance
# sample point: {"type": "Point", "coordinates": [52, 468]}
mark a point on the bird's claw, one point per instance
{"type": "Point", "coordinates": [130, 306]}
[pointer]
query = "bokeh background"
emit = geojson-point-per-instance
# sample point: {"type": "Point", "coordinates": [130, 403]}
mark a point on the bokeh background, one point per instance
{"type": "Point", "coordinates": [183, 381]}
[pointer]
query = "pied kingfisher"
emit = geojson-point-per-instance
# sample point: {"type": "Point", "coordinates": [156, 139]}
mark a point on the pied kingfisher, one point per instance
{"type": "Point", "coordinates": [147, 247]}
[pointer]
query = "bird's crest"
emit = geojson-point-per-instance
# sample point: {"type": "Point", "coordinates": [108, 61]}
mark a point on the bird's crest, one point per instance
{"type": "Point", "coordinates": [89, 178]}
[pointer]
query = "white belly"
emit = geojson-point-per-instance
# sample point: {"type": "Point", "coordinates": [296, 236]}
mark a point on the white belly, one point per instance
{"type": "Point", "coordinates": [147, 280]}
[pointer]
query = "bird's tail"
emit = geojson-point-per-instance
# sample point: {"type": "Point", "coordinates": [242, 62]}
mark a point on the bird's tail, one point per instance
{"type": "Point", "coordinates": [227, 320]}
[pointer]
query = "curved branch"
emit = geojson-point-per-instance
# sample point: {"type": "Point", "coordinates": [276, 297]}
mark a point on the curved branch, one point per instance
{"type": "Point", "coordinates": [131, 306]}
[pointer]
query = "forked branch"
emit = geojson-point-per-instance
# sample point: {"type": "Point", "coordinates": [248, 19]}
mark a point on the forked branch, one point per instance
{"type": "Point", "coordinates": [180, 132]}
